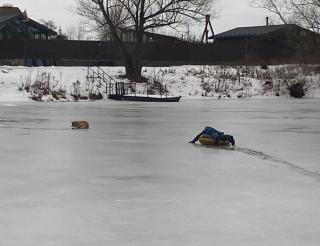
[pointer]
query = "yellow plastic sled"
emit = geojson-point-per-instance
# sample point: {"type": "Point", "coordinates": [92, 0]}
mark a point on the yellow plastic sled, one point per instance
{"type": "Point", "coordinates": [207, 140]}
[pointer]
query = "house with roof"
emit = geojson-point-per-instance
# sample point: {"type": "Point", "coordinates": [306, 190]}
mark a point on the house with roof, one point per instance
{"type": "Point", "coordinates": [129, 35]}
{"type": "Point", "coordinates": [15, 24]}
{"type": "Point", "coordinates": [286, 33]}
{"type": "Point", "coordinates": [272, 43]}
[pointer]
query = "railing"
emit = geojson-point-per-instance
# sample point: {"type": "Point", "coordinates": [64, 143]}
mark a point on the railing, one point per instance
{"type": "Point", "coordinates": [98, 77]}
{"type": "Point", "coordinates": [111, 86]}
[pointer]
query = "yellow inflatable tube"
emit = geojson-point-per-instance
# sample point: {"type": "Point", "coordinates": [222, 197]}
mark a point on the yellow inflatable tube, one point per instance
{"type": "Point", "coordinates": [207, 140]}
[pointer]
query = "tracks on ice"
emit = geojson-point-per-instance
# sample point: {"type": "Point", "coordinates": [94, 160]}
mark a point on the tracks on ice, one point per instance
{"type": "Point", "coordinates": [264, 156]}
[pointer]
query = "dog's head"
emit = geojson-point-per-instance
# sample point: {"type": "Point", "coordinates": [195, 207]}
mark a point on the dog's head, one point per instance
{"type": "Point", "coordinates": [75, 124]}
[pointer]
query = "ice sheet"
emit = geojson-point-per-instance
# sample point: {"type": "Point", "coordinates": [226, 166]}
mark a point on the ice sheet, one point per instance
{"type": "Point", "coordinates": [133, 178]}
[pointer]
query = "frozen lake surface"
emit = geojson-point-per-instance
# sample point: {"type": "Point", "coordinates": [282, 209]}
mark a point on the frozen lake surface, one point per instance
{"type": "Point", "coordinates": [133, 178]}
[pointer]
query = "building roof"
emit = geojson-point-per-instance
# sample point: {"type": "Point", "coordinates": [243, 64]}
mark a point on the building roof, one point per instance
{"type": "Point", "coordinates": [251, 31]}
{"type": "Point", "coordinates": [163, 37]}
{"type": "Point", "coordinates": [7, 13]}
{"type": "Point", "coordinates": [155, 36]}
{"type": "Point", "coordinates": [5, 18]}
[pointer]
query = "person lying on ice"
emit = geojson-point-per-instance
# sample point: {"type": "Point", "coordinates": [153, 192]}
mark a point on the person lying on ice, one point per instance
{"type": "Point", "coordinates": [214, 134]}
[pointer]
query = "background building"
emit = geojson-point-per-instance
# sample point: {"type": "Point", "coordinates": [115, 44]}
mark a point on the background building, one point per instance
{"type": "Point", "coordinates": [16, 25]}
{"type": "Point", "coordinates": [273, 43]}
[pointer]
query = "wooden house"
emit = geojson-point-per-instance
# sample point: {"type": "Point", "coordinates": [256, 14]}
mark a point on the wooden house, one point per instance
{"type": "Point", "coordinates": [15, 24]}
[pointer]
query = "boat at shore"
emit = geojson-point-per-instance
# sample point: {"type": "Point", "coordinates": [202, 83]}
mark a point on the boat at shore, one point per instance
{"type": "Point", "coordinates": [140, 98]}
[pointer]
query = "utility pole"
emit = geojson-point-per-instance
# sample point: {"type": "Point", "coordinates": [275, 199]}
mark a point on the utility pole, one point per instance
{"type": "Point", "coordinates": [205, 35]}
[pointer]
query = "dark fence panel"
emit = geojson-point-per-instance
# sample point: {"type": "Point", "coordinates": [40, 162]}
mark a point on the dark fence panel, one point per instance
{"type": "Point", "coordinates": [86, 53]}
{"type": "Point", "coordinates": [56, 49]}
{"type": "Point", "coordinates": [12, 49]}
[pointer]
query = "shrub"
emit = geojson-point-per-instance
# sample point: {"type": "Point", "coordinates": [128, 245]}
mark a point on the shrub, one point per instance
{"type": "Point", "coordinates": [297, 90]}
{"type": "Point", "coordinates": [95, 96]}
{"type": "Point", "coordinates": [43, 85]}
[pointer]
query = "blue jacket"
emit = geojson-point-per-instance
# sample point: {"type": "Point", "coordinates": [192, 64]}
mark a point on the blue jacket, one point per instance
{"type": "Point", "coordinates": [210, 131]}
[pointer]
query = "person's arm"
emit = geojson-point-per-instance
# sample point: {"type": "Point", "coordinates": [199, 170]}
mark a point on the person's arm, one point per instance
{"type": "Point", "coordinates": [196, 138]}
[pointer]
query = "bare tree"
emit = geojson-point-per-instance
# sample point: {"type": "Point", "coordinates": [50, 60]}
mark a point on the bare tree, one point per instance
{"type": "Point", "coordinates": [140, 16]}
{"type": "Point", "coordinates": [70, 32]}
{"type": "Point", "coordinates": [303, 12]}
{"type": "Point", "coordinates": [81, 31]}
{"type": "Point", "coordinates": [49, 24]}
{"type": "Point", "coordinates": [76, 32]}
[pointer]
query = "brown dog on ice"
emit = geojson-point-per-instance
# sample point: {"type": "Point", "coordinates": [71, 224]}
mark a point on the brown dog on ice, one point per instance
{"type": "Point", "coordinates": [82, 124]}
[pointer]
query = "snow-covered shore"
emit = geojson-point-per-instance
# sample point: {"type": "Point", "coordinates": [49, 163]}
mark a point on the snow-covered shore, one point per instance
{"type": "Point", "coordinates": [189, 82]}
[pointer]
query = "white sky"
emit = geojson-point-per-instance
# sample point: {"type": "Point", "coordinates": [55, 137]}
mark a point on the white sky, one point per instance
{"type": "Point", "coordinates": [235, 13]}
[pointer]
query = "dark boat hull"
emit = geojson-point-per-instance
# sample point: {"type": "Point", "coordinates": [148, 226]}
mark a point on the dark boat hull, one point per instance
{"type": "Point", "coordinates": [144, 99]}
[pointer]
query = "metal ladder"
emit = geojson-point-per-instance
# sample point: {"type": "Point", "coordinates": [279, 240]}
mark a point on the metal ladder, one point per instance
{"type": "Point", "coordinates": [104, 80]}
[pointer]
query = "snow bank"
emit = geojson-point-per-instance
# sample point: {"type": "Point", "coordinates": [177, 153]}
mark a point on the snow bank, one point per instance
{"type": "Point", "coordinates": [190, 82]}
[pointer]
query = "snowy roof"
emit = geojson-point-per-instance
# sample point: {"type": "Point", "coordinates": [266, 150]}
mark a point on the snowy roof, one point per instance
{"type": "Point", "coordinates": [251, 31]}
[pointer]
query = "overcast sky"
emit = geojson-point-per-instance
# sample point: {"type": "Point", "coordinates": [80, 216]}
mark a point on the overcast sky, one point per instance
{"type": "Point", "coordinates": [235, 13]}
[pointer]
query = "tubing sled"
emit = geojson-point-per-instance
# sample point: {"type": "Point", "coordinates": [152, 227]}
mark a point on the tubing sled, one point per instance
{"type": "Point", "coordinates": [209, 141]}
